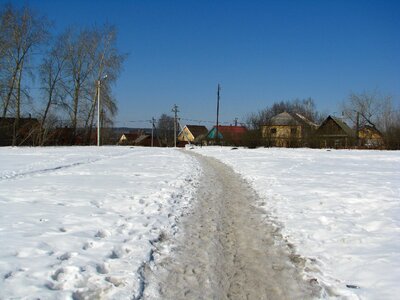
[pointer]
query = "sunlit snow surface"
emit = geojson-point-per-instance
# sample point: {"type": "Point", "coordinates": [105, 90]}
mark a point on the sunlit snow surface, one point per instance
{"type": "Point", "coordinates": [340, 209]}
{"type": "Point", "coordinates": [79, 221]}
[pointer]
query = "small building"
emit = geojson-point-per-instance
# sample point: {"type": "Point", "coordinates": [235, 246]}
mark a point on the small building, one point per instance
{"type": "Point", "coordinates": [370, 137]}
{"type": "Point", "coordinates": [192, 133]}
{"type": "Point", "coordinates": [228, 135]}
{"type": "Point", "coordinates": [139, 138]}
{"type": "Point", "coordinates": [128, 138]}
{"type": "Point", "coordinates": [288, 130]}
{"type": "Point", "coordinates": [145, 140]}
{"type": "Point", "coordinates": [335, 133]}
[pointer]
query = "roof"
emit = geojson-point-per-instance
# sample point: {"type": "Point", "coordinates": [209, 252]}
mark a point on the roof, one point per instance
{"type": "Point", "coordinates": [283, 119]}
{"type": "Point", "coordinates": [141, 138]}
{"type": "Point", "coordinates": [344, 126]}
{"type": "Point", "coordinates": [348, 131]}
{"type": "Point", "coordinates": [287, 119]}
{"type": "Point", "coordinates": [227, 131]}
{"type": "Point", "coordinates": [130, 136]}
{"type": "Point", "coordinates": [302, 118]}
{"type": "Point", "coordinates": [197, 130]}
{"type": "Point", "coordinates": [232, 129]}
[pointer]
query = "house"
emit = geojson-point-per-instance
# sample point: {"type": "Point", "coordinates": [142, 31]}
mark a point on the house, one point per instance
{"type": "Point", "coordinates": [288, 130]}
{"type": "Point", "coordinates": [192, 133]}
{"type": "Point", "coordinates": [139, 138]}
{"type": "Point", "coordinates": [335, 133]}
{"type": "Point", "coordinates": [370, 137]}
{"type": "Point", "coordinates": [26, 135]}
{"type": "Point", "coordinates": [228, 135]}
{"type": "Point", "coordinates": [128, 138]}
{"type": "Point", "coordinates": [145, 140]}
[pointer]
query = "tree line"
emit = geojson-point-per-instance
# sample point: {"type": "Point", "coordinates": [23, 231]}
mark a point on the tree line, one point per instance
{"type": "Point", "coordinates": [54, 77]}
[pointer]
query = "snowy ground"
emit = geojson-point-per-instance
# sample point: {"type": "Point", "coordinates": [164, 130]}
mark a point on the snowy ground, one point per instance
{"type": "Point", "coordinates": [80, 221]}
{"type": "Point", "coordinates": [339, 209]}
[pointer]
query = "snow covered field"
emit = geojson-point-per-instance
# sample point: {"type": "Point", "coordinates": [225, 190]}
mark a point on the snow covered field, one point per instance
{"type": "Point", "coordinates": [339, 209]}
{"type": "Point", "coordinates": [79, 221]}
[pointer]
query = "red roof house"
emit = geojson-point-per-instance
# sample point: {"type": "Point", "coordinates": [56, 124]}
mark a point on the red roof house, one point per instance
{"type": "Point", "coordinates": [228, 135]}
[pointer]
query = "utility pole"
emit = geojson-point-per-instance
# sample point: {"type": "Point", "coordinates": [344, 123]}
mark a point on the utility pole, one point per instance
{"type": "Point", "coordinates": [98, 112]}
{"type": "Point", "coordinates": [152, 131]}
{"type": "Point", "coordinates": [175, 111]}
{"type": "Point", "coordinates": [216, 127]}
{"type": "Point", "coordinates": [98, 109]}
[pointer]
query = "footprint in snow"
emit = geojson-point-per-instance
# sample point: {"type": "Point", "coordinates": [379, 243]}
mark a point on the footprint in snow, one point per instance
{"type": "Point", "coordinates": [102, 233]}
{"type": "Point", "coordinates": [8, 275]}
{"type": "Point", "coordinates": [88, 245]}
{"type": "Point", "coordinates": [66, 256]}
{"type": "Point", "coordinates": [102, 268]}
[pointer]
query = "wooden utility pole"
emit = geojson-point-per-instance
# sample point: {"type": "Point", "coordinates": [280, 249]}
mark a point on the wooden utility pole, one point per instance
{"type": "Point", "coordinates": [216, 127]}
{"type": "Point", "coordinates": [175, 111]}
{"type": "Point", "coordinates": [98, 113]}
{"type": "Point", "coordinates": [152, 131]}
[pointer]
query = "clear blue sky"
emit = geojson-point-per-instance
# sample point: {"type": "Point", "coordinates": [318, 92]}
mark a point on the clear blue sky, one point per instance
{"type": "Point", "coordinates": [260, 52]}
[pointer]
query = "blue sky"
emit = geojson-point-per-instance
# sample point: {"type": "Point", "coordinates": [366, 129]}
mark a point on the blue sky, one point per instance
{"type": "Point", "coordinates": [260, 52]}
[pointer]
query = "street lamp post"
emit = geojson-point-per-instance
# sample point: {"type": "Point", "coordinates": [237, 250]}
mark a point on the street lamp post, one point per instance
{"type": "Point", "coordinates": [98, 109]}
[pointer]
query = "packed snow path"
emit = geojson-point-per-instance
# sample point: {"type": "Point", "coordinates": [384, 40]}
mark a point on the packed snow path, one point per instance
{"type": "Point", "coordinates": [229, 249]}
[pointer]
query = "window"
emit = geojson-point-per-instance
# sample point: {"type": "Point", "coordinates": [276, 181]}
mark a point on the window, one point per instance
{"type": "Point", "coordinates": [273, 130]}
{"type": "Point", "coordinates": [293, 131]}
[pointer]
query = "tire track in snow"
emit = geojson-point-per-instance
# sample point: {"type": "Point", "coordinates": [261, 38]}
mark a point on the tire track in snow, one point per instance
{"type": "Point", "coordinates": [228, 250]}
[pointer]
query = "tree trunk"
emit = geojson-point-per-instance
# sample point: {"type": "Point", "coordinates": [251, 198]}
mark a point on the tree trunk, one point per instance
{"type": "Point", "coordinates": [18, 110]}
{"type": "Point", "coordinates": [10, 91]}
{"type": "Point", "coordinates": [75, 113]}
{"type": "Point", "coordinates": [46, 111]}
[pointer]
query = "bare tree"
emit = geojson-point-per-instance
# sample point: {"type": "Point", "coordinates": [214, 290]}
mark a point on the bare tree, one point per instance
{"type": "Point", "coordinates": [22, 31]}
{"type": "Point", "coordinates": [165, 130]}
{"type": "Point", "coordinates": [68, 73]}
{"type": "Point", "coordinates": [371, 108]}
{"type": "Point", "coordinates": [375, 109]}
{"type": "Point", "coordinates": [51, 72]}
{"type": "Point", "coordinates": [108, 62]}
{"type": "Point", "coordinates": [78, 68]}
{"type": "Point", "coordinates": [91, 53]}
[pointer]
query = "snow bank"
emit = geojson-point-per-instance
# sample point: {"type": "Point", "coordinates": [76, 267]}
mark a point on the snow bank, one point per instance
{"type": "Point", "coordinates": [80, 221]}
{"type": "Point", "coordinates": [340, 209]}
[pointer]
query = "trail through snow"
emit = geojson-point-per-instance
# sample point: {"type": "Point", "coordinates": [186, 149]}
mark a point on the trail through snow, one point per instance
{"type": "Point", "coordinates": [229, 248]}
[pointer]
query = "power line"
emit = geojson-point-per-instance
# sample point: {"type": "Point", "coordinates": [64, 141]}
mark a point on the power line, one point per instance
{"type": "Point", "coordinates": [235, 121]}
